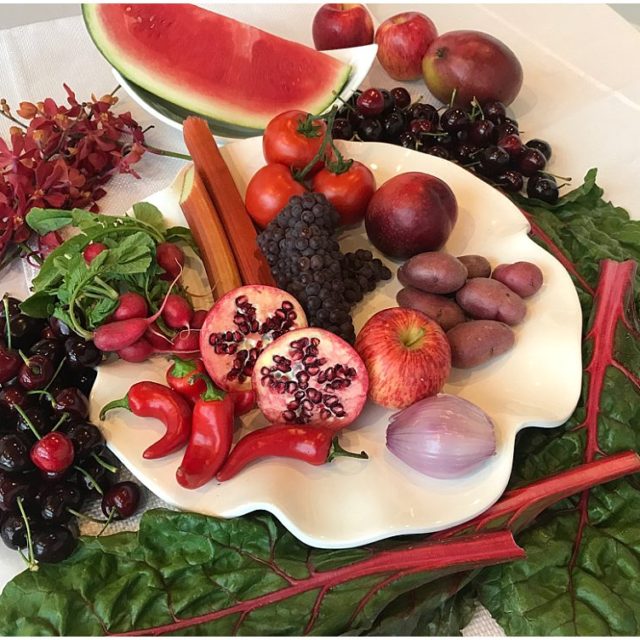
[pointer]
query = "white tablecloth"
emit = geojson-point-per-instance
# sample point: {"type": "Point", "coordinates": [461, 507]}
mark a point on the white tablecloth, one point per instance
{"type": "Point", "coordinates": [581, 93]}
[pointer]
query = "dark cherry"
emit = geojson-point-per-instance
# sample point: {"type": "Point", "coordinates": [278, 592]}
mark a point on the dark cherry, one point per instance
{"type": "Point", "coordinates": [48, 333]}
{"type": "Point", "coordinates": [481, 132]}
{"type": "Point", "coordinates": [512, 144]}
{"type": "Point", "coordinates": [24, 331]}
{"type": "Point", "coordinates": [13, 394]}
{"type": "Point", "coordinates": [36, 373]}
{"type": "Point", "coordinates": [466, 153]}
{"type": "Point", "coordinates": [342, 129]}
{"type": "Point", "coordinates": [370, 103]}
{"type": "Point", "coordinates": [96, 473]}
{"type": "Point", "coordinates": [86, 438]}
{"type": "Point", "coordinates": [543, 188]}
{"type": "Point", "coordinates": [14, 486]}
{"type": "Point", "coordinates": [14, 453]}
{"type": "Point", "coordinates": [53, 544]}
{"type": "Point", "coordinates": [370, 130]}
{"type": "Point", "coordinates": [506, 129]}
{"type": "Point", "coordinates": [53, 452]}
{"type": "Point", "coordinates": [72, 401]}
{"type": "Point", "coordinates": [511, 181]}
{"type": "Point", "coordinates": [13, 306]}
{"type": "Point", "coordinates": [494, 160]}
{"type": "Point", "coordinates": [511, 121]}
{"type": "Point", "coordinates": [7, 419]}
{"type": "Point", "coordinates": [439, 151]}
{"type": "Point", "coordinates": [81, 352]}
{"type": "Point", "coordinates": [50, 348]}
{"type": "Point", "coordinates": [542, 146]}
{"type": "Point", "coordinates": [388, 101]}
{"type": "Point", "coordinates": [83, 379]}
{"type": "Point", "coordinates": [59, 328]}
{"type": "Point", "coordinates": [531, 161]}
{"type": "Point", "coordinates": [124, 497]}
{"type": "Point", "coordinates": [445, 140]}
{"type": "Point", "coordinates": [401, 97]}
{"type": "Point", "coordinates": [408, 140]}
{"type": "Point", "coordinates": [423, 111]}
{"type": "Point", "coordinates": [13, 530]}
{"type": "Point", "coordinates": [495, 111]}
{"type": "Point", "coordinates": [392, 125]}
{"type": "Point", "coordinates": [421, 125]}
{"type": "Point", "coordinates": [454, 119]}
{"type": "Point", "coordinates": [39, 416]}
{"type": "Point", "coordinates": [10, 364]}
{"type": "Point", "coordinates": [56, 500]}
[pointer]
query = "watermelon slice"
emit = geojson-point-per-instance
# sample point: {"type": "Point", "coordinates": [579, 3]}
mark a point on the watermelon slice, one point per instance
{"type": "Point", "coordinates": [214, 66]}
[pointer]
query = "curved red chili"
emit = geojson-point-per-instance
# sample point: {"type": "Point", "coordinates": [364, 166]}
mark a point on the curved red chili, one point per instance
{"type": "Point", "coordinates": [185, 377]}
{"type": "Point", "coordinates": [152, 400]}
{"type": "Point", "coordinates": [315, 445]}
{"type": "Point", "coordinates": [211, 438]}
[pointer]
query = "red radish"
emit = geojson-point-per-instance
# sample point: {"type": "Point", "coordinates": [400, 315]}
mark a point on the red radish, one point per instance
{"type": "Point", "coordinates": [130, 305]}
{"type": "Point", "coordinates": [171, 258]}
{"type": "Point", "coordinates": [158, 340]}
{"type": "Point", "coordinates": [92, 250]}
{"type": "Point", "coordinates": [178, 312]}
{"type": "Point", "coordinates": [198, 319]}
{"type": "Point", "coordinates": [187, 341]}
{"type": "Point", "coordinates": [139, 351]}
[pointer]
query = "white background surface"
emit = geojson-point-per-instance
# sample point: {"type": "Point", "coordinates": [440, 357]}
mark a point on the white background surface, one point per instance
{"type": "Point", "coordinates": [581, 92]}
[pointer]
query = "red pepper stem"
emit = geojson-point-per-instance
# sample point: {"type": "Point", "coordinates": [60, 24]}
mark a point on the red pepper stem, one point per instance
{"type": "Point", "coordinates": [212, 393]}
{"type": "Point", "coordinates": [122, 403]}
{"type": "Point", "coordinates": [336, 451]}
{"type": "Point", "coordinates": [182, 368]}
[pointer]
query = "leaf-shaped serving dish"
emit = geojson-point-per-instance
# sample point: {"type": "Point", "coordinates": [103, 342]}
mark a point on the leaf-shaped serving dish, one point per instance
{"type": "Point", "coordinates": [351, 502]}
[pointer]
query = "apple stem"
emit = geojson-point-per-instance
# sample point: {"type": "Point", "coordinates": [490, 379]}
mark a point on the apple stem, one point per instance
{"type": "Point", "coordinates": [419, 335]}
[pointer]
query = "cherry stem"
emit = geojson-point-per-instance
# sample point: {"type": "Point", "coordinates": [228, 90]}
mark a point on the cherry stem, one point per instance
{"type": "Point", "coordinates": [104, 464]}
{"type": "Point", "coordinates": [168, 154]}
{"type": "Point", "coordinates": [25, 417]}
{"type": "Point", "coordinates": [112, 513]}
{"type": "Point", "coordinates": [453, 97]}
{"type": "Point", "coordinates": [84, 516]}
{"type": "Point", "coordinates": [60, 422]}
{"type": "Point", "coordinates": [90, 478]}
{"type": "Point", "coordinates": [32, 563]}
{"type": "Point", "coordinates": [55, 374]}
{"type": "Point", "coordinates": [7, 319]}
{"type": "Point", "coordinates": [553, 175]}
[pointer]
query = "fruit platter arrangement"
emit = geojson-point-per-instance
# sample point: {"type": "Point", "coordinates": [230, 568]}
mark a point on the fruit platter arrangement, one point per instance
{"type": "Point", "coordinates": [323, 346]}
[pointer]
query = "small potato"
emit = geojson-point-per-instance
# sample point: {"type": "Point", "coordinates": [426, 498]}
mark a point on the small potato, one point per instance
{"type": "Point", "coordinates": [442, 310]}
{"type": "Point", "coordinates": [525, 278]}
{"type": "Point", "coordinates": [477, 266]}
{"type": "Point", "coordinates": [478, 341]}
{"type": "Point", "coordinates": [433, 272]}
{"type": "Point", "coordinates": [488, 299]}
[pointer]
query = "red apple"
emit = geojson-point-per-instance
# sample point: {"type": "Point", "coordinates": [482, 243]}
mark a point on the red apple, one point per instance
{"type": "Point", "coordinates": [475, 65]}
{"type": "Point", "coordinates": [411, 213]}
{"type": "Point", "coordinates": [402, 42]}
{"type": "Point", "coordinates": [339, 26]}
{"type": "Point", "coordinates": [407, 356]}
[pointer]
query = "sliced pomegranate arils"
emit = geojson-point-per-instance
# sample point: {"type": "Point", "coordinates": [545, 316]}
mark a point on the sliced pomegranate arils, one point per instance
{"type": "Point", "coordinates": [311, 376]}
{"type": "Point", "coordinates": [239, 326]}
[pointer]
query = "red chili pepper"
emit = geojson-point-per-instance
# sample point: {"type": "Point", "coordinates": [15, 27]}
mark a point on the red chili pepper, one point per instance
{"type": "Point", "coordinates": [211, 438]}
{"type": "Point", "coordinates": [152, 400]}
{"type": "Point", "coordinates": [315, 445]}
{"type": "Point", "coordinates": [243, 401]}
{"type": "Point", "coordinates": [184, 376]}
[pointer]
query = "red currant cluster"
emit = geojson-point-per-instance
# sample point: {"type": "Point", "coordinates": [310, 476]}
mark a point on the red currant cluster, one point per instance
{"type": "Point", "coordinates": [60, 158]}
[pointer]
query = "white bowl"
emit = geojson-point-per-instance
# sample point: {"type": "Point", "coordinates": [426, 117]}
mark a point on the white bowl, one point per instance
{"type": "Point", "coordinates": [360, 59]}
{"type": "Point", "coordinates": [351, 502]}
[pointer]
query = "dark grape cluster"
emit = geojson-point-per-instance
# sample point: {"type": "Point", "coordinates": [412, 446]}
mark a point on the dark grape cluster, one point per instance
{"type": "Point", "coordinates": [481, 138]}
{"type": "Point", "coordinates": [52, 459]}
{"type": "Point", "coordinates": [302, 249]}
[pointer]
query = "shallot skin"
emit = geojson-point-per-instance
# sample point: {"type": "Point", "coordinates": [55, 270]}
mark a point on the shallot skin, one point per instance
{"type": "Point", "coordinates": [443, 436]}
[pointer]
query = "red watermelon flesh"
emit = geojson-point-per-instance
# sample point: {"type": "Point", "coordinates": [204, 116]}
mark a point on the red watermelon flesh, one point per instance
{"type": "Point", "coordinates": [211, 64]}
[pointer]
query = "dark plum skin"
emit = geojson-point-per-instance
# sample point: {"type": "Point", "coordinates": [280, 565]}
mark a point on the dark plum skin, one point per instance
{"type": "Point", "coordinates": [411, 213]}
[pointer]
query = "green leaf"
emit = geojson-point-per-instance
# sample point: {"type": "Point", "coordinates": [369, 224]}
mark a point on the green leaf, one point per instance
{"type": "Point", "coordinates": [182, 234]}
{"type": "Point", "coordinates": [54, 268]}
{"type": "Point", "coordinates": [38, 305]}
{"type": "Point", "coordinates": [132, 255]}
{"type": "Point", "coordinates": [149, 214]}
{"type": "Point", "coordinates": [45, 220]}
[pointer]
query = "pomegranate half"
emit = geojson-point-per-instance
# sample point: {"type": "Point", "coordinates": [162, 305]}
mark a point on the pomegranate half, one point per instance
{"type": "Point", "coordinates": [311, 376]}
{"type": "Point", "coordinates": [239, 326]}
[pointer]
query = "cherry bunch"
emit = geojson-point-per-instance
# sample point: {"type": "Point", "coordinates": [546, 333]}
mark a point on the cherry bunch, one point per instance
{"type": "Point", "coordinates": [60, 156]}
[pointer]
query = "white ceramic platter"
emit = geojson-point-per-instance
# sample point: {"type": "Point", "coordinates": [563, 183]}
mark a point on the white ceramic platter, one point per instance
{"type": "Point", "coordinates": [360, 59]}
{"type": "Point", "coordinates": [351, 502]}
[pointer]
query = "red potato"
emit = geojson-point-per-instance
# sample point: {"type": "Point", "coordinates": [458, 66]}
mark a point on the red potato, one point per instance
{"type": "Point", "coordinates": [524, 278]}
{"type": "Point", "coordinates": [475, 342]}
{"type": "Point", "coordinates": [433, 272]}
{"type": "Point", "coordinates": [442, 310]}
{"type": "Point", "coordinates": [477, 266]}
{"type": "Point", "coordinates": [488, 299]}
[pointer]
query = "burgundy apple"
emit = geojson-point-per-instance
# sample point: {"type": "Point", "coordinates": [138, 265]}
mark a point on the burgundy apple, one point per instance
{"type": "Point", "coordinates": [474, 64]}
{"type": "Point", "coordinates": [407, 356]}
{"type": "Point", "coordinates": [402, 42]}
{"type": "Point", "coordinates": [338, 26]}
{"type": "Point", "coordinates": [411, 213]}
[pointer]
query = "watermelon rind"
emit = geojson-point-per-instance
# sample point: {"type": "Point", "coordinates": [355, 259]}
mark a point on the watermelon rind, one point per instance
{"type": "Point", "coordinates": [225, 119]}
